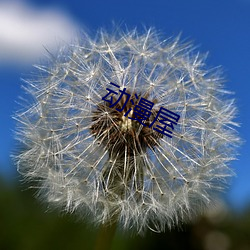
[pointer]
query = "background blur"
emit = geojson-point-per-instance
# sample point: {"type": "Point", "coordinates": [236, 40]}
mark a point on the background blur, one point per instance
{"type": "Point", "coordinates": [28, 28]}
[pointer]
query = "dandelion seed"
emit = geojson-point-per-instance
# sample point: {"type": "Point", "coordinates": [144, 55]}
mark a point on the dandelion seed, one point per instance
{"type": "Point", "coordinates": [91, 158]}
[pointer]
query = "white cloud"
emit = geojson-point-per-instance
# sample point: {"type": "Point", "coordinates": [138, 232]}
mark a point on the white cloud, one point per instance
{"type": "Point", "coordinates": [25, 31]}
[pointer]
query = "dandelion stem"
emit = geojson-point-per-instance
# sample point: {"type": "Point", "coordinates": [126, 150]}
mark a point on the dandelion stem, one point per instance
{"type": "Point", "coordinates": [105, 236]}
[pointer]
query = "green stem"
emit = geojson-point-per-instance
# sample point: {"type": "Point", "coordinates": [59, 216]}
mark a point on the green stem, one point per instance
{"type": "Point", "coordinates": [105, 236]}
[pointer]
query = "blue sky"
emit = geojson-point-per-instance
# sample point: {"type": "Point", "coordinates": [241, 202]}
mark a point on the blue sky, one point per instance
{"type": "Point", "coordinates": [221, 27]}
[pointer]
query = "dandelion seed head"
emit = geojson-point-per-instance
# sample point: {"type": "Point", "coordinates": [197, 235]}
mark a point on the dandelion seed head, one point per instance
{"type": "Point", "coordinates": [89, 158]}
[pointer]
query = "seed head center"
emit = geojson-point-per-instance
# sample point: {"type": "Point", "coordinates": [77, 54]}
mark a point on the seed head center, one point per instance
{"type": "Point", "coordinates": [117, 130]}
{"type": "Point", "coordinates": [125, 123]}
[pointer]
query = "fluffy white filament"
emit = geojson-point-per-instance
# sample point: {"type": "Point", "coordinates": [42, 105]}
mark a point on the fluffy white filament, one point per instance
{"type": "Point", "coordinates": [167, 182]}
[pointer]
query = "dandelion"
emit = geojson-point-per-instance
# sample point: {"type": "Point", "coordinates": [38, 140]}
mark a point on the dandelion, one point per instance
{"type": "Point", "coordinates": [97, 160]}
